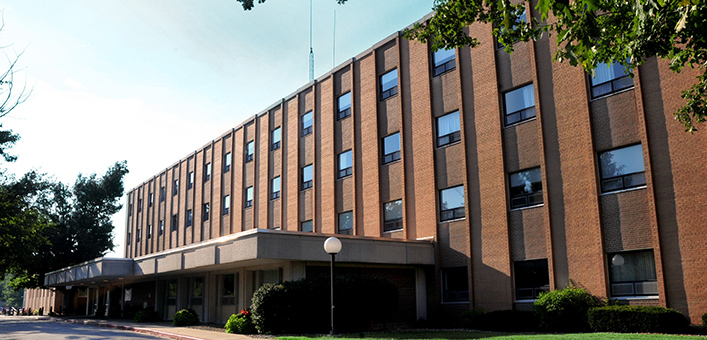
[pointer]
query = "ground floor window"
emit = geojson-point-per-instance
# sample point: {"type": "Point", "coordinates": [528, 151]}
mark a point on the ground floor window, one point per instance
{"type": "Point", "coordinates": [632, 273]}
{"type": "Point", "coordinates": [229, 289]}
{"type": "Point", "coordinates": [531, 278]}
{"type": "Point", "coordinates": [197, 291]}
{"type": "Point", "coordinates": [172, 292]}
{"type": "Point", "coordinates": [455, 284]}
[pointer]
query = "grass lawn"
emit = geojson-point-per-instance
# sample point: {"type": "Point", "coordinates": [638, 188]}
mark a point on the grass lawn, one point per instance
{"type": "Point", "coordinates": [442, 335]}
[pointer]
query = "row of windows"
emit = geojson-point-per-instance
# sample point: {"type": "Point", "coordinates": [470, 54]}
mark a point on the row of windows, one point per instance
{"type": "Point", "coordinates": [631, 273]}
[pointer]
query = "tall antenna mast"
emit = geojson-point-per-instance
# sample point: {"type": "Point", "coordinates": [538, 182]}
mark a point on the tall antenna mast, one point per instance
{"type": "Point", "coordinates": [311, 51]}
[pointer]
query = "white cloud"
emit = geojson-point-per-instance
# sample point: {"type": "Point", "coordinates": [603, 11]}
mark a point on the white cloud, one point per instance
{"type": "Point", "coordinates": [73, 84]}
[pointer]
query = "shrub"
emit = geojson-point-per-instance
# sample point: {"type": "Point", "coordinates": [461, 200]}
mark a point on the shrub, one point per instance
{"type": "Point", "coordinates": [146, 315]}
{"type": "Point", "coordinates": [185, 317]}
{"type": "Point", "coordinates": [360, 301]}
{"type": "Point", "coordinates": [241, 323]}
{"type": "Point", "coordinates": [565, 310]}
{"type": "Point", "coordinates": [704, 319]}
{"type": "Point", "coordinates": [636, 319]}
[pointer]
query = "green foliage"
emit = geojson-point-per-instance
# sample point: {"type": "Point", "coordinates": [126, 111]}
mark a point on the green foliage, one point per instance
{"type": "Point", "coordinates": [565, 310]}
{"type": "Point", "coordinates": [185, 317]}
{"type": "Point", "coordinates": [11, 296]}
{"type": "Point", "coordinates": [303, 306]}
{"type": "Point", "coordinates": [636, 319]}
{"type": "Point", "coordinates": [56, 226]}
{"type": "Point", "coordinates": [241, 323]}
{"type": "Point", "coordinates": [147, 315]}
{"type": "Point", "coordinates": [589, 32]}
{"type": "Point", "coordinates": [704, 320]}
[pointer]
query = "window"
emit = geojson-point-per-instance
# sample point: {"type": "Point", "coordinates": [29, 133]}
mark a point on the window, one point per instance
{"type": "Point", "coordinates": [191, 180]}
{"type": "Point", "coordinates": [206, 212]}
{"type": "Point", "coordinates": [172, 290]}
{"type": "Point", "coordinates": [130, 237]}
{"type": "Point", "coordinates": [345, 226]}
{"type": "Point", "coordinates": [389, 84]}
{"type": "Point", "coordinates": [162, 194]}
{"type": "Point", "coordinates": [393, 215]}
{"type": "Point", "coordinates": [307, 122]}
{"type": "Point", "coordinates": [632, 273]}
{"type": "Point", "coordinates": [130, 209]}
{"type": "Point", "coordinates": [275, 139]}
{"type": "Point", "coordinates": [345, 164]}
{"type": "Point", "coordinates": [306, 226]}
{"type": "Point", "coordinates": [175, 222]}
{"type": "Point", "coordinates": [275, 188]}
{"type": "Point", "coordinates": [307, 176]}
{"type": "Point", "coordinates": [391, 148]}
{"type": "Point", "coordinates": [526, 188]}
{"type": "Point", "coordinates": [175, 187]}
{"type": "Point", "coordinates": [344, 107]}
{"type": "Point", "coordinates": [448, 129]}
{"type": "Point", "coordinates": [190, 218]}
{"type": "Point", "coordinates": [451, 203]}
{"type": "Point", "coordinates": [249, 197]}
{"type": "Point", "coordinates": [455, 285]}
{"type": "Point", "coordinates": [226, 204]}
{"type": "Point", "coordinates": [608, 79]}
{"type": "Point", "coordinates": [207, 171]}
{"type": "Point", "coordinates": [139, 204]}
{"type": "Point", "coordinates": [139, 235]}
{"type": "Point", "coordinates": [531, 278]}
{"type": "Point", "coordinates": [149, 231]}
{"type": "Point", "coordinates": [197, 291]}
{"type": "Point", "coordinates": [443, 61]}
{"type": "Point", "coordinates": [250, 150]}
{"type": "Point", "coordinates": [229, 289]}
{"type": "Point", "coordinates": [227, 163]}
{"type": "Point", "coordinates": [519, 104]}
{"type": "Point", "coordinates": [161, 231]}
{"type": "Point", "coordinates": [152, 200]}
{"type": "Point", "coordinates": [622, 168]}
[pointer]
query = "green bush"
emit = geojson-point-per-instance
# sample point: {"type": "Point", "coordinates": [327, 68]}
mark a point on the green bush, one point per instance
{"type": "Point", "coordinates": [636, 319]}
{"type": "Point", "coordinates": [303, 306]}
{"type": "Point", "coordinates": [147, 315]}
{"type": "Point", "coordinates": [185, 317]}
{"type": "Point", "coordinates": [704, 319]}
{"type": "Point", "coordinates": [241, 323]}
{"type": "Point", "coordinates": [565, 310]}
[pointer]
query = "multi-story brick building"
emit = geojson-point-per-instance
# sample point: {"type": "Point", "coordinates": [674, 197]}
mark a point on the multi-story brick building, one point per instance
{"type": "Point", "coordinates": [470, 177]}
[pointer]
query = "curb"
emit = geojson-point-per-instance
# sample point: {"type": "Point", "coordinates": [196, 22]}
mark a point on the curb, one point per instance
{"type": "Point", "coordinates": [142, 330]}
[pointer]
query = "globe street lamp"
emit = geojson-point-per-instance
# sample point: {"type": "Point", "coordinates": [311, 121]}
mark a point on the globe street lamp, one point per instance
{"type": "Point", "coordinates": [332, 246]}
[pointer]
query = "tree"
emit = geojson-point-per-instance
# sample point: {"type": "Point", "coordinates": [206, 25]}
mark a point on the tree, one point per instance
{"type": "Point", "coordinates": [77, 225]}
{"type": "Point", "coordinates": [11, 297]}
{"type": "Point", "coordinates": [10, 97]}
{"type": "Point", "coordinates": [588, 32]}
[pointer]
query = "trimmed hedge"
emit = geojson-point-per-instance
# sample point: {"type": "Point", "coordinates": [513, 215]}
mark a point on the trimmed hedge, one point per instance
{"type": "Point", "coordinates": [303, 306]}
{"type": "Point", "coordinates": [241, 323]}
{"type": "Point", "coordinates": [565, 310]}
{"type": "Point", "coordinates": [185, 317]}
{"type": "Point", "coordinates": [146, 316]}
{"type": "Point", "coordinates": [636, 319]}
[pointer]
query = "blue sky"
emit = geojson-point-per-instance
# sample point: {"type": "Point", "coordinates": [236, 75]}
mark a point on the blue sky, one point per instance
{"type": "Point", "coordinates": [151, 81]}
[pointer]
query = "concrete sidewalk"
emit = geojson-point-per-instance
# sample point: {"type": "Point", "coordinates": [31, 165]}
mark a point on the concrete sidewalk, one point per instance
{"type": "Point", "coordinates": [164, 331]}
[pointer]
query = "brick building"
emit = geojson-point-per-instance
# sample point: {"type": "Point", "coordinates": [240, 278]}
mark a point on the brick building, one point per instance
{"type": "Point", "coordinates": [470, 177]}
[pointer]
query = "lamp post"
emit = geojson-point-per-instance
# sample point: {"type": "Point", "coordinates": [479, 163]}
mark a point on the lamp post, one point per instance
{"type": "Point", "coordinates": [332, 246]}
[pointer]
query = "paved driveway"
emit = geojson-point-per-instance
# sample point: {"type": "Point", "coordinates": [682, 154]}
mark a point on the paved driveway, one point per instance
{"type": "Point", "coordinates": [39, 328]}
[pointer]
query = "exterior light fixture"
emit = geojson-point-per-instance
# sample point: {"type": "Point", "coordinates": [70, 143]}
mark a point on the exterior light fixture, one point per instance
{"type": "Point", "coordinates": [332, 246]}
{"type": "Point", "coordinates": [617, 260]}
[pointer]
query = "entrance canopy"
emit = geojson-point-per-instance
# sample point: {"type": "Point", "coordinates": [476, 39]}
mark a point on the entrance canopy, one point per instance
{"type": "Point", "coordinates": [252, 247]}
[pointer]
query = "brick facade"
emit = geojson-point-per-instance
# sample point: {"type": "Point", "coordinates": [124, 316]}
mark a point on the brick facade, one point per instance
{"type": "Point", "coordinates": [575, 228]}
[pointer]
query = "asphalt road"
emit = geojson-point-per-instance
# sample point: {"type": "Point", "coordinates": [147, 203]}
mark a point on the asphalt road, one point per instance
{"type": "Point", "coordinates": [37, 328]}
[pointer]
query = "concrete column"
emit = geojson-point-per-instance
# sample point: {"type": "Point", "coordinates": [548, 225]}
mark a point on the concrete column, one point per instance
{"type": "Point", "coordinates": [421, 294]}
